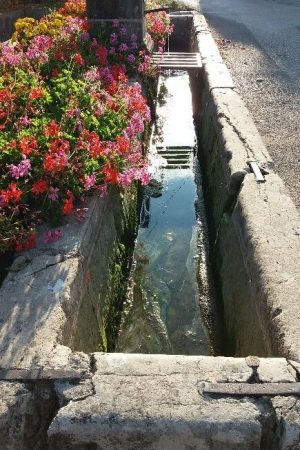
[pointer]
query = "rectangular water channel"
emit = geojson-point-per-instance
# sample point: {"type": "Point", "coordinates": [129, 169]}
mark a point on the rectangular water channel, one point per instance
{"type": "Point", "coordinates": [170, 301]}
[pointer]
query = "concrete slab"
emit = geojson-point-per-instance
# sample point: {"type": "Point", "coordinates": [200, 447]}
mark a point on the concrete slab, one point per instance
{"type": "Point", "coordinates": [154, 402]}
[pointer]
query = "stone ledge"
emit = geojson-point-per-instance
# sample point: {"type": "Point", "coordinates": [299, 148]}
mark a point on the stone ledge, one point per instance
{"type": "Point", "coordinates": [153, 402]}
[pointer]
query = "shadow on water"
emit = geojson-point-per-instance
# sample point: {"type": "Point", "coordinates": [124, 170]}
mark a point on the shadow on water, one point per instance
{"type": "Point", "coordinates": [170, 296]}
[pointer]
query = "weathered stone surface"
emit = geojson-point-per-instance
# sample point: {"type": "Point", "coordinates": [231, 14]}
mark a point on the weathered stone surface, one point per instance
{"type": "Point", "coordinates": [153, 402]}
{"type": "Point", "coordinates": [115, 9]}
{"type": "Point", "coordinates": [8, 19]}
{"type": "Point", "coordinates": [288, 421]}
{"type": "Point", "coordinates": [218, 369]}
{"type": "Point", "coordinates": [14, 405]}
{"type": "Point", "coordinates": [131, 14]}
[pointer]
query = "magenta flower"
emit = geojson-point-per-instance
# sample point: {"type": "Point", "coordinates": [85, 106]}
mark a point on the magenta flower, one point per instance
{"type": "Point", "coordinates": [131, 58]}
{"type": "Point", "coordinates": [21, 170]}
{"type": "Point", "coordinates": [53, 194]}
{"type": "Point", "coordinates": [113, 39]}
{"type": "Point", "coordinates": [90, 181]}
{"type": "Point", "coordinates": [85, 36]}
{"type": "Point", "coordinates": [123, 47]}
{"type": "Point", "coordinates": [52, 235]}
{"type": "Point", "coordinates": [11, 55]}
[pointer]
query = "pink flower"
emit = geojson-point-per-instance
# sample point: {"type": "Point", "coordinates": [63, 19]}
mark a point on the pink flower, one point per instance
{"type": "Point", "coordinates": [73, 112]}
{"type": "Point", "coordinates": [113, 39]}
{"type": "Point", "coordinates": [11, 55]}
{"type": "Point", "coordinates": [90, 181]}
{"type": "Point", "coordinates": [92, 75]}
{"type": "Point", "coordinates": [100, 110]}
{"type": "Point", "coordinates": [144, 176]}
{"type": "Point", "coordinates": [53, 194]}
{"type": "Point", "coordinates": [52, 236]}
{"type": "Point", "coordinates": [136, 125]}
{"type": "Point", "coordinates": [102, 190]}
{"type": "Point", "coordinates": [21, 170]}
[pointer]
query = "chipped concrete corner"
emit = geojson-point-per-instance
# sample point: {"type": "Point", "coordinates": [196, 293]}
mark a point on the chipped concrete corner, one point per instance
{"type": "Point", "coordinates": [257, 226]}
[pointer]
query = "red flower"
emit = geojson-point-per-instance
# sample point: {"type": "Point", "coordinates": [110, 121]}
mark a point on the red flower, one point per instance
{"type": "Point", "coordinates": [3, 117]}
{"type": "Point", "coordinates": [28, 145]}
{"type": "Point", "coordinates": [117, 71]}
{"type": "Point", "coordinates": [68, 204]}
{"type": "Point", "coordinates": [59, 56]}
{"type": "Point", "coordinates": [36, 93]}
{"type": "Point", "coordinates": [59, 146]}
{"type": "Point", "coordinates": [55, 72]}
{"type": "Point", "coordinates": [5, 95]}
{"type": "Point", "coordinates": [102, 55]}
{"type": "Point", "coordinates": [112, 88]}
{"type": "Point", "coordinates": [111, 175]}
{"type": "Point", "coordinates": [90, 141]}
{"type": "Point", "coordinates": [79, 59]}
{"type": "Point", "coordinates": [27, 244]}
{"type": "Point", "coordinates": [11, 195]}
{"type": "Point", "coordinates": [52, 129]}
{"type": "Point", "coordinates": [55, 162]}
{"type": "Point", "coordinates": [123, 144]}
{"type": "Point", "coordinates": [40, 187]}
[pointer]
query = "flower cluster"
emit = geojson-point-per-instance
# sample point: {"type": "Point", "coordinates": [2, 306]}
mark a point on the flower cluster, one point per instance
{"type": "Point", "coordinates": [159, 25]}
{"type": "Point", "coordinates": [70, 123]}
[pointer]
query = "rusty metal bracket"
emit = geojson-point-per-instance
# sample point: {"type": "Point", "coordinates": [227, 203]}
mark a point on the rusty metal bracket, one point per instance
{"type": "Point", "coordinates": [247, 389]}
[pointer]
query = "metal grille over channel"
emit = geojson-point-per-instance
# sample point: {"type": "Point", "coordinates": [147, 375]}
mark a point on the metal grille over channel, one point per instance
{"type": "Point", "coordinates": [176, 157]}
{"type": "Point", "coordinates": [177, 60]}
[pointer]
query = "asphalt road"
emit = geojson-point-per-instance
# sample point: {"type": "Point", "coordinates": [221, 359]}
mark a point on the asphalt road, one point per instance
{"type": "Point", "coordinates": [260, 43]}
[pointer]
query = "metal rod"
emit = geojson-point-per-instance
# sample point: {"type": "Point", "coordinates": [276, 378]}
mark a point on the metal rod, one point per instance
{"type": "Point", "coordinates": [255, 389]}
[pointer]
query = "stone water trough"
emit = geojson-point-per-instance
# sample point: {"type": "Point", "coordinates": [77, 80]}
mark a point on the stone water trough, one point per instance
{"type": "Point", "coordinates": [60, 390]}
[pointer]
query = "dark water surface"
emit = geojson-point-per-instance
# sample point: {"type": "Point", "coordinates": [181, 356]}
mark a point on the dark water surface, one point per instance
{"type": "Point", "coordinates": [167, 304]}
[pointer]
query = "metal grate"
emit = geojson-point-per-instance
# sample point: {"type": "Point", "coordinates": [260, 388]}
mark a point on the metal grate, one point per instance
{"type": "Point", "coordinates": [173, 60]}
{"type": "Point", "coordinates": [176, 157]}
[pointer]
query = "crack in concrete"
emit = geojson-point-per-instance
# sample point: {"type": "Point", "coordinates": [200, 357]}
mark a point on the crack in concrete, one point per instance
{"type": "Point", "coordinates": [238, 133]}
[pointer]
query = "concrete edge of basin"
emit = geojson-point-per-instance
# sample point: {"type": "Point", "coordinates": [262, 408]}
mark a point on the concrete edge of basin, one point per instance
{"type": "Point", "coordinates": [266, 221]}
{"type": "Point", "coordinates": [155, 402]}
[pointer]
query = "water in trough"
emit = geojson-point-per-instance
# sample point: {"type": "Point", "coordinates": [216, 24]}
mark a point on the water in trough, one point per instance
{"type": "Point", "coordinates": [168, 301]}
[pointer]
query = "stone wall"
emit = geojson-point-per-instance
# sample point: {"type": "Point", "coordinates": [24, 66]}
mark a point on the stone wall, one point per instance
{"type": "Point", "coordinates": [8, 19]}
{"type": "Point", "coordinates": [130, 13]}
